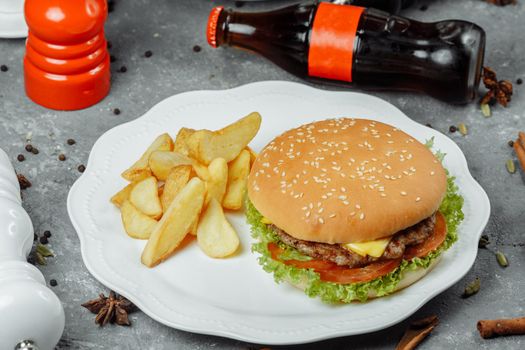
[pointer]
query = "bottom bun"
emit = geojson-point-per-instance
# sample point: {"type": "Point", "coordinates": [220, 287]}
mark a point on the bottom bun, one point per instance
{"type": "Point", "coordinates": [409, 278]}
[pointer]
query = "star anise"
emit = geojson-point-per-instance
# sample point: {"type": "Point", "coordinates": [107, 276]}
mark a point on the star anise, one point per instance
{"type": "Point", "coordinates": [499, 91]}
{"type": "Point", "coordinates": [112, 309]}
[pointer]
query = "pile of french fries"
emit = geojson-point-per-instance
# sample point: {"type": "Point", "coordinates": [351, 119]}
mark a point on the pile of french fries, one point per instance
{"type": "Point", "coordinates": [181, 187]}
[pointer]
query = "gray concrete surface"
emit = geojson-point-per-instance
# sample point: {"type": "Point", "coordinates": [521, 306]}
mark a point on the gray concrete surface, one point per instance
{"type": "Point", "coordinates": [170, 29]}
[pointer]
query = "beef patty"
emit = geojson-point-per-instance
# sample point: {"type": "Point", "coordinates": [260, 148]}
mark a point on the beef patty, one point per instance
{"type": "Point", "coordinates": [335, 253]}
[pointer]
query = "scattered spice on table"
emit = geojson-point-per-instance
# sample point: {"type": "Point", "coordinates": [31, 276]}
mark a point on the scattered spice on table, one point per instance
{"type": "Point", "coordinates": [499, 90]}
{"type": "Point", "coordinates": [452, 128]}
{"type": "Point", "coordinates": [112, 309]}
{"type": "Point", "coordinates": [4, 68]}
{"type": "Point", "coordinates": [472, 288]}
{"type": "Point", "coordinates": [71, 142]}
{"type": "Point", "coordinates": [485, 110]}
{"type": "Point", "coordinates": [41, 253]}
{"type": "Point", "coordinates": [519, 81]}
{"type": "Point", "coordinates": [511, 168]}
{"type": "Point", "coordinates": [47, 233]}
{"type": "Point", "coordinates": [44, 240]}
{"type": "Point", "coordinates": [53, 282]}
{"type": "Point", "coordinates": [112, 58]}
{"type": "Point", "coordinates": [510, 143]}
{"type": "Point", "coordinates": [116, 111]}
{"type": "Point", "coordinates": [20, 158]}
{"type": "Point", "coordinates": [81, 168]}
{"type": "Point", "coordinates": [463, 129]}
{"type": "Point", "coordinates": [519, 149]}
{"type": "Point", "coordinates": [483, 242]}
{"type": "Point", "coordinates": [61, 157]}
{"type": "Point", "coordinates": [495, 328]}
{"type": "Point", "coordinates": [197, 48]}
{"type": "Point", "coordinates": [148, 54]}
{"type": "Point", "coordinates": [501, 2]}
{"type": "Point", "coordinates": [34, 150]}
{"type": "Point", "coordinates": [502, 259]}
{"type": "Point", "coordinates": [23, 181]}
{"type": "Point", "coordinates": [29, 147]}
{"type": "Point", "coordinates": [123, 69]}
{"type": "Point", "coordinates": [416, 332]}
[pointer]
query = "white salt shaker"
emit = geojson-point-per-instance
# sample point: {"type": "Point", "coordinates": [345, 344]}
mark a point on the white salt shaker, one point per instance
{"type": "Point", "coordinates": [31, 315]}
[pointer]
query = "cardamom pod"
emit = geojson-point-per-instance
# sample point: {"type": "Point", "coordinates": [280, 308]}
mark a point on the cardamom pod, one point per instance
{"type": "Point", "coordinates": [462, 129]}
{"type": "Point", "coordinates": [511, 167]}
{"type": "Point", "coordinates": [485, 109]}
{"type": "Point", "coordinates": [40, 260]}
{"type": "Point", "coordinates": [502, 259]}
{"type": "Point", "coordinates": [472, 288]}
{"type": "Point", "coordinates": [44, 251]}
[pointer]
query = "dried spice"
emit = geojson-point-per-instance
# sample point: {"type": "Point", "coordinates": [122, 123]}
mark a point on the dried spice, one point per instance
{"type": "Point", "coordinates": [148, 54]}
{"type": "Point", "coordinates": [485, 110]}
{"type": "Point", "coordinates": [197, 48]}
{"type": "Point", "coordinates": [47, 233]}
{"type": "Point", "coordinates": [499, 91]}
{"type": "Point", "coordinates": [519, 81]}
{"type": "Point", "coordinates": [23, 181]}
{"type": "Point", "coordinates": [112, 309]}
{"type": "Point", "coordinates": [123, 69]}
{"type": "Point", "coordinates": [502, 259]}
{"type": "Point", "coordinates": [116, 111]}
{"type": "Point", "coordinates": [462, 129]}
{"type": "Point", "coordinates": [53, 283]}
{"type": "Point", "coordinates": [502, 2]}
{"type": "Point", "coordinates": [416, 332]}
{"type": "Point", "coordinates": [452, 128]}
{"type": "Point", "coordinates": [61, 157]}
{"type": "Point", "coordinates": [483, 242]}
{"type": "Point", "coordinates": [35, 150]}
{"type": "Point", "coordinates": [29, 147]}
{"type": "Point", "coordinates": [20, 158]}
{"type": "Point", "coordinates": [44, 240]}
{"type": "Point", "coordinates": [510, 143]}
{"type": "Point", "coordinates": [112, 58]}
{"type": "Point", "coordinates": [4, 68]}
{"type": "Point", "coordinates": [472, 288]}
{"type": "Point", "coordinates": [71, 142]}
{"type": "Point", "coordinates": [519, 149]}
{"type": "Point", "coordinates": [81, 168]}
{"type": "Point", "coordinates": [495, 328]}
{"type": "Point", "coordinates": [511, 168]}
{"type": "Point", "coordinates": [44, 251]}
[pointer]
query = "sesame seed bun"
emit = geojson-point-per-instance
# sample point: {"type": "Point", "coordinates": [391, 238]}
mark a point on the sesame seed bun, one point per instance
{"type": "Point", "coordinates": [346, 180]}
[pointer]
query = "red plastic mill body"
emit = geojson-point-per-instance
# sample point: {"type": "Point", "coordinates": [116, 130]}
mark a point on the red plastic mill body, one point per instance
{"type": "Point", "coordinates": [66, 66]}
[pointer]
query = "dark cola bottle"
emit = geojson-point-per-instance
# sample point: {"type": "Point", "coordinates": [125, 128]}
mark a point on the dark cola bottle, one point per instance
{"type": "Point", "coordinates": [361, 47]}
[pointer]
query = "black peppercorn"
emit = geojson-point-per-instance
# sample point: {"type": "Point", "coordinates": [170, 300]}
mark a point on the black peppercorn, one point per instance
{"type": "Point", "coordinates": [519, 81]}
{"type": "Point", "coordinates": [47, 233]}
{"type": "Point", "coordinates": [148, 53]}
{"type": "Point", "coordinates": [123, 69]}
{"type": "Point", "coordinates": [116, 111]}
{"type": "Point", "coordinates": [81, 168]}
{"type": "Point", "coordinates": [452, 128]}
{"type": "Point", "coordinates": [53, 282]}
{"type": "Point", "coordinates": [34, 150]}
{"type": "Point", "coordinates": [112, 58]}
{"type": "Point", "coordinates": [197, 48]}
{"type": "Point", "coordinates": [71, 142]}
{"type": "Point", "coordinates": [4, 68]}
{"type": "Point", "coordinates": [44, 240]}
{"type": "Point", "coordinates": [21, 158]}
{"type": "Point", "coordinates": [29, 148]}
{"type": "Point", "coordinates": [511, 143]}
{"type": "Point", "coordinates": [62, 157]}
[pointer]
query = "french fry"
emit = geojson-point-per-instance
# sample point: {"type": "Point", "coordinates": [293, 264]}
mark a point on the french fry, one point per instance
{"type": "Point", "coordinates": [145, 197]}
{"type": "Point", "coordinates": [238, 171]}
{"type": "Point", "coordinates": [180, 140]}
{"type": "Point", "coordinates": [215, 235]}
{"type": "Point", "coordinates": [201, 170]}
{"type": "Point", "coordinates": [122, 195]}
{"type": "Point", "coordinates": [175, 181]}
{"type": "Point", "coordinates": [253, 155]}
{"type": "Point", "coordinates": [217, 180]}
{"type": "Point", "coordinates": [175, 223]}
{"type": "Point", "coordinates": [161, 163]}
{"type": "Point", "coordinates": [227, 143]}
{"type": "Point", "coordinates": [136, 224]}
{"type": "Point", "coordinates": [161, 143]}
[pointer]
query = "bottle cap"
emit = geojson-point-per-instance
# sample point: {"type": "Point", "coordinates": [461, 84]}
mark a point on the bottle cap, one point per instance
{"type": "Point", "coordinates": [211, 31]}
{"type": "Point", "coordinates": [66, 65]}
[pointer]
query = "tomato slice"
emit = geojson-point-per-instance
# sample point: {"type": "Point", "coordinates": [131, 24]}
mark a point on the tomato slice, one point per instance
{"type": "Point", "coordinates": [360, 274]}
{"type": "Point", "coordinates": [331, 272]}
{"type": "Point", "coordinates": [437, 237]}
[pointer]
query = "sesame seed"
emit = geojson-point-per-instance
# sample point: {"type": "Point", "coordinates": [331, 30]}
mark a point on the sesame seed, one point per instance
{"type": "Point", "coordinates": [352, 213]}
{"type": "Point", "coordinates": [362, 216]}
{"type": "Point", "coordinates": [332, 215]}
{"type": "Point", "coordinates": [307, 214]}
{"type": "Point", "coordinates": [357, 206]}
{"type": "Point", "coordinates": [346, 202]}
{"type": "Point", "coordinates": [321, 221]}
{"type": "Point", "coordinates": [432, 173]}
{"type": "Point", "coordinates": [418, 199]}
{"type": "Point", "coordinates": [403, 193]}
{"type": "Point", "coordinates": [383, 194]}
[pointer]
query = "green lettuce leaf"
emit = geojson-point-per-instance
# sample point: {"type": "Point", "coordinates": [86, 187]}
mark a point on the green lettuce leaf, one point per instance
{"type": "Point", "coordinates": [330, 292]}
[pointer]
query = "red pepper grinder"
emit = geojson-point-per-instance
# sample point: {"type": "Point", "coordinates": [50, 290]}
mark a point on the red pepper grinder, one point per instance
{"type": "Point", "coordinates": [66, 66]}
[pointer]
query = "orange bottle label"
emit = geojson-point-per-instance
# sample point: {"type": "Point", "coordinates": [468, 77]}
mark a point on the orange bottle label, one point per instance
{"type": "Point", "coordinates": [332, 41]}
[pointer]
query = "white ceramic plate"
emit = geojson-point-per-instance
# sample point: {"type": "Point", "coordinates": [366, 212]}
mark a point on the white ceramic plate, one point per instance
{"type": "Point", "coordinates": [234, 297]}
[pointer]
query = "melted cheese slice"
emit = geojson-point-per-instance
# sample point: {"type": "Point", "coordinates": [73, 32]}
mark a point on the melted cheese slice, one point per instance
{"type": "Point", "coordinates": [373, 248]}
{"type": "Point", "coordinates": [266, 221]}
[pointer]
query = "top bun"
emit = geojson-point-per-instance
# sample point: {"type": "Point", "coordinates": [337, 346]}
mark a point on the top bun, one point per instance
{"type": "Point", "coordinates": [346, 180]}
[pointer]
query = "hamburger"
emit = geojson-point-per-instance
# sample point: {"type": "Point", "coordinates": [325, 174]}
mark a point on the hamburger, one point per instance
{"type": "Point", "coordinates": [350, 209]}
